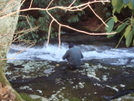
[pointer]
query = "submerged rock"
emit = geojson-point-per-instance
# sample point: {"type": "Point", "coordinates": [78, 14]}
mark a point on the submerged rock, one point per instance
{"type": "Point", "coordinates": [95, 80]}
{"type": "Point", "coordinates": [37, 96]}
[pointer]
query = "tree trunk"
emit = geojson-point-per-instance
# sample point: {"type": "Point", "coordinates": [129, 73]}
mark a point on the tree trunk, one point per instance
{"type": "Point", "coordinates": [7, 28]}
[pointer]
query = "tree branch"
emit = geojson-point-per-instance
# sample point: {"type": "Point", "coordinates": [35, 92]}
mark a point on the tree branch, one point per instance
{"type": "Point", "coordinates": [68, 8]}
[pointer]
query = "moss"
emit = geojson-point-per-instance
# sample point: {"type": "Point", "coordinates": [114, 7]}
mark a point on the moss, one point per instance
{"type": "Point", "coordinates": [3, 79]}
{"type": "Point", "coordinates": [132, 94]}
{"type": "Point", "coordinates": [73, 99]}
{"type": "Point", "coordinates": [26, 97]}
{"type": "Point", "coordinates": [18, 97]}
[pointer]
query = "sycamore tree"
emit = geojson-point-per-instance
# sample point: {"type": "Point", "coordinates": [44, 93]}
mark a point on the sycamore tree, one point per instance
{"type": "Point", "coordinates": [9, 13]}
{"type": "Point", "coordinates": [7, 28]}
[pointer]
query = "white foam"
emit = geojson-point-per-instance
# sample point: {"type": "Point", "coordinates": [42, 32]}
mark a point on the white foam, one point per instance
{"type": "Point", "coordinates": [52, 52]}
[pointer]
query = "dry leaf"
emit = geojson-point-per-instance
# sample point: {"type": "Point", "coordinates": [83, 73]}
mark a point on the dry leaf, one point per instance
{"type": "Point", "coordinates": [6, 93]}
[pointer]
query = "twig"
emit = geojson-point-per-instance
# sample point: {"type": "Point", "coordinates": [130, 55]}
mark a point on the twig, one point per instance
{"type": "Point", "coordinates": [70, 8]}
{"type": "Point", "coordinates": [87, 32]}
{"type": "Point", "coordinates": [97, 16]}
{"type": "Point", "coordinates": [50, 3]}
{"type": "Point", "coordinates": [73, 8]}
{"type": "Point", "coordinates": [49, 32]}
{"type": "Point", "coordinates": [31, 4]}
{"type": "Point", "coordinates": [27, 19]}
{"type": "Point", "coordinates": [71, 3]}
{"type": "Point", "coordinates": [59, 36]}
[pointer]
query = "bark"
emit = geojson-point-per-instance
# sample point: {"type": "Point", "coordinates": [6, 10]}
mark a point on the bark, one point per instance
{"type": "Point", "coordinates": [7, 28]}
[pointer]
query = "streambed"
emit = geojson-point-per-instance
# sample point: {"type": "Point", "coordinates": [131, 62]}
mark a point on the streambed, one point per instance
{"type": "Point", "coordinates": [94, 82]}
{"type": "Point", "coordinates": [106, 73]}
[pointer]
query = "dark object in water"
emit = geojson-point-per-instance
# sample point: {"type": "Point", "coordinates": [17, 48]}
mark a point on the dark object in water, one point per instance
{"type": "Point", "coordinates": [119, 94]}
{"type": "Point", "coordinates": [21, 82]}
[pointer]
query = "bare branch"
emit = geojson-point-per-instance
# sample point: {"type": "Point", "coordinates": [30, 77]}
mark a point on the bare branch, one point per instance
{"type": "Point", "coordinates": [31, 4]}
{"type": "Point", "coordinates": [59, 36]}
{"type": "Point", "coordinates": [72, 3]}
{"type": "Point", "coordinates": [49, 32]}
{"type": "Point", "coordinates": [97, 15]}
{"type": "Point", "coordinates": [24, 32]}
{"type": "Point", "coordinates": [70, 8]}
{"type": "Point", "coordinates": [27, 19]}
{"type": "Point", "coordinates": [29, 44]}
{"type": "Point", "coordinates": [49, 3]}
{"type": "Point", "coordinates": [73, 8]}
{"type": "Point", "coordinates": [22, 3]}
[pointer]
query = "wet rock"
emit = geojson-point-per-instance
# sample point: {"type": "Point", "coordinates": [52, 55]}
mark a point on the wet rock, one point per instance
{"type": "Point", "coordinates": [120, 94]}
{"type": "Point", "coordinates": [127, 97]}
{"type": "Point", "coordinates": [94, 80]}
{"type": "Point", "coordinates": [37, 96]}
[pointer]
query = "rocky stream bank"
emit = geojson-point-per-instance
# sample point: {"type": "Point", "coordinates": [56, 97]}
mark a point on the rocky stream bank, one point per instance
{"type": "Point", "coordinates": [107, 74]}
{"type": "Point", "coordinates": [93, 82]}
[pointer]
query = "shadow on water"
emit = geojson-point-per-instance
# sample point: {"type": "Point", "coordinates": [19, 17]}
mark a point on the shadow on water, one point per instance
{"type": "Point", "coordinates": [75, 85]}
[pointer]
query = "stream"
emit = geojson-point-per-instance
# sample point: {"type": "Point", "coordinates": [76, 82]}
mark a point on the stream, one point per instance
{"type": "Point", "coordinates": [107, 73]}
{"type": "Point", "coordinates": [120, 56]}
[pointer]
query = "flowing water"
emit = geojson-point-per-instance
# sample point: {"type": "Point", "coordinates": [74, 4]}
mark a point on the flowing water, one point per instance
{"type": "Point", "coordinates": [110, 75]}
{"type": "Point", "coordinates": [53, 53]}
